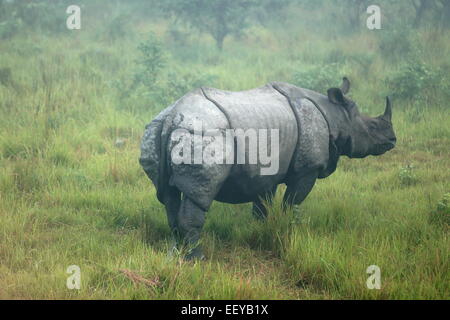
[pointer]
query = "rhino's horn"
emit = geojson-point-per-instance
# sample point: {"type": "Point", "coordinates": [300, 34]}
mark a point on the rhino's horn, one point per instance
{"type": "Point", "coordinates": [388, 112]}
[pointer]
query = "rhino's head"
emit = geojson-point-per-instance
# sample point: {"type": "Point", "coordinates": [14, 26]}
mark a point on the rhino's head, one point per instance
{"type": "Point", "coordinates": [363, 135]}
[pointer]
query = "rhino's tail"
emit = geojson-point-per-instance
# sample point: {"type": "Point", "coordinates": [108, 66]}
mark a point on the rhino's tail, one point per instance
{"type": "Point", "coordinates": [153, 157]}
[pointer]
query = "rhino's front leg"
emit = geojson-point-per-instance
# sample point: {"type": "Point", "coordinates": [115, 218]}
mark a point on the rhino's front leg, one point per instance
{"type": "Point", "coordinates": [259, 210]}
{"type": "Point", "coordinates": [190, 221]}
{"type": "Point", "coordinates": [298, 189]}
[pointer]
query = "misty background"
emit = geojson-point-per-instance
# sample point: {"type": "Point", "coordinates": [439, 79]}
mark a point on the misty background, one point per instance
{"type": "Point", "coordinates": [162, 49]}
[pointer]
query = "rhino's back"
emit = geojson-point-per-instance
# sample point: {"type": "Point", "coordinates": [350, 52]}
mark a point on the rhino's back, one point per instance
{"type": "Point", "coordinates": [261, 108]}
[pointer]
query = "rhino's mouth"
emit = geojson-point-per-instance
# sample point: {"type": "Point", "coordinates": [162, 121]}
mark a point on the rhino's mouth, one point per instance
{"type": "Point", "coordinates": [383, 148]}
{"type": "Point", "coordinates": [389, 145]}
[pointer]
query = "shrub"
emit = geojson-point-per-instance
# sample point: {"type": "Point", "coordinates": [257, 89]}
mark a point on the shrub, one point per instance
{"type": "Point", "coordinates": [178, 84]}
{"type": "Point", "coordinates": [177, 36]}
{"type": "Point", "coordinates": [319, 77]}
{"type": "Point", "coordinates": [407, 176]}
{"type": "Point", "coordinates": [336, 56]}
{"type": "Point", "coordinates": [418, 80]}
{"type": "Point", "coordinates": [395, 44]}
{"type": "Point", "coordinates": [441, 216]}
{"type": "Point", "coordinates": [8, 28]}
{"type": "Point", "coordinates": [152, 62]}
{"type": "Point", "coordinates": [118, 27]}
{"type": "Point", "coordinates": [38, 15]}
{"type": "Point", "coordinates": [5, 76]}
{"type": "Point", "coordinates": [43, 16]}
{"type": "Point", "coordinates": [100, 58]}
{"type": "Point", "coordinates": [363, 60]}
{"type": "Point", "coordinates": [157, 83]}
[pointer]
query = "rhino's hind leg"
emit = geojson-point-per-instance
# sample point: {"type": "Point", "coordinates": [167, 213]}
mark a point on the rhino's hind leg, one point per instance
{"type": "Point", "coordinates": [190, 220]}
{"type": "Point", "coordinates": [259, 211]}
{"type": "Point", "coordinates": [172, 202]}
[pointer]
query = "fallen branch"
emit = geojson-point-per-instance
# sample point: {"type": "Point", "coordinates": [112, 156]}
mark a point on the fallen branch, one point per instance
{"type": "Point", "coordinates": [137, 279]}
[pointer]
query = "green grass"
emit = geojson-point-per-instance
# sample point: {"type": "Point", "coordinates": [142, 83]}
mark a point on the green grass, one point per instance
{"type": "Point", "coordinates": [69, 196]}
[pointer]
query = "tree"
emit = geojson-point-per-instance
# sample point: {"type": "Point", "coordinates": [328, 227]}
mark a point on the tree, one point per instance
{"type": "Point", "coordinates": [445, 13]}
{"type": "Point", "coordinates": [353, 10]}
{"type": "Point", "coordinates": [273, 10]}
{"type": "Point", "coordinates": [438, 12]}
{"type": "Point", "coordinates": [421, 7]}
{"type": "Point", "coordinates": [219, 18]}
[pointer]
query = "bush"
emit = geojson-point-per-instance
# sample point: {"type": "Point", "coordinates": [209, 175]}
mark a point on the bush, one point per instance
{"type": "Point", "coordinates": [407, 176]}
{"type": "Point", "coordinates": [153, 86]}
{"type": "Point", "coordinates": [441, 216]}
{"type": "Point", "coordinates": [336, 56]}
{"type": "Point", "coordinates": [418, 80]}
{"type": "Point", "coordinates": [5, 76]}
{"type": "Point", "coordinates": [319, 77]}
{"type": "Point", "coordinates": [8, 28]}
{"type": "Point", "coordinates": [102, 59]}
{"type": "Point", "coordinates": [179, 84]}
{"type": "Point", "coordinates": [38, 15]}
{"type": "Point", "coordinates": [177, 36]}
{"type": "Point", "coordinates": [152, 62]}
{"type": "Point", "coordinates": [118, 27]}
{"type": "Point", "coordinates": [396, 44]}
{"type": "Point", "coordinates": [43, 16]}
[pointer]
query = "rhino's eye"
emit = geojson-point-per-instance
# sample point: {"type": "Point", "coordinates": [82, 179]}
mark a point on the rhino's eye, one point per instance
{"type": "Point", "coordinates": [373, 126]}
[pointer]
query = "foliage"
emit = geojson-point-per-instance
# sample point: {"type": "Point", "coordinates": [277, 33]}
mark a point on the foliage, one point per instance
{"type": "Point", "coordinates": [118, 27]}
{"type": "Point", "coordinates": [219, 18]}
{"type": "Point", "coordinates": [154, 81]}
{"type": "Point", "coordinates": [9, 27]}
{"type": "Point", "coordinates": [152, 62]}
{"type": "Point", "coordinates": [38, 15]}
{"type": "Point", "coordinates": [5, 76]}
{"type": "Point", "coordinates": [178, 84]}
{"type": "Point", "coordinates": [418, 80]}
{"type": "Point", "coordinates": [407, 176]}
{"type": "Point", "coordinates": [441, 215]}
{"type": "Point", "coordinates": [394, 44]}
{"type": "Point", "coordinates": [318, 77]}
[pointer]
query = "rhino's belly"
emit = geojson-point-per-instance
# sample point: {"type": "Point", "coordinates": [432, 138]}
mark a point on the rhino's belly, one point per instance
{"type": "Point", "coordinates": [240, 188]}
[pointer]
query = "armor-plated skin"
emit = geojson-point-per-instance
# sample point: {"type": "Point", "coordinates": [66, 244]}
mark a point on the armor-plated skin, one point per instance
{"type": "Point", "coordinates": [314, 130]}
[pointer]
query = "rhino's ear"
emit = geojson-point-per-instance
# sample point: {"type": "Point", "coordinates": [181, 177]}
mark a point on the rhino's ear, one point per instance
{"type": "Point", "coordinates": [336, 96]}
{"type": "Point", "coordinates": [345, 87]}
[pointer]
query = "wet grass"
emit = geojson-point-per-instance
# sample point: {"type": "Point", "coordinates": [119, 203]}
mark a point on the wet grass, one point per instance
{"type": "Point", "coordinates": [69, 195]}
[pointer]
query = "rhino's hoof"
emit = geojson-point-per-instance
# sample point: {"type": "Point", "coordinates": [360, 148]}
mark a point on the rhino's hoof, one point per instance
{"type": "Point", "coordinates": [195, 254]}
{"type": "Point", "coordinates": [173, 252]}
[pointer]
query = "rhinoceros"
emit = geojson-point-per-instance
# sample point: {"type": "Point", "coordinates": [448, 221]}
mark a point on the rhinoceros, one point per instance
{"type": "Point", "coordinates": [312, 131]}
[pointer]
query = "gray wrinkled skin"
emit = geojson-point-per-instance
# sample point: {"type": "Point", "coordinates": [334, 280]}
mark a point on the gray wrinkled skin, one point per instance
{"type": "Point", "coordinates": [314, 131]}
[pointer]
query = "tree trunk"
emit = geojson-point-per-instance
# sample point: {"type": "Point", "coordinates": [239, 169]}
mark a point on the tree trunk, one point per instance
{"type": "Point", "coordinates": [354, 13]}
{"type": "Point", "coordinates": [221, 29]}
{"type": "Point", "coordinates": [421, 8]}
{"type": "Point", "coordinates": [445, 20]}
{"type": "Point", "coordinates": [219, 42]}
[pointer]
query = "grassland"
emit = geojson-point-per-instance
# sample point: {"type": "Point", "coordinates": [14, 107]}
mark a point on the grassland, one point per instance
{"type": "Point", "coordinates": [70, 194]}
